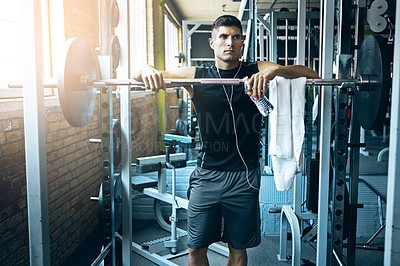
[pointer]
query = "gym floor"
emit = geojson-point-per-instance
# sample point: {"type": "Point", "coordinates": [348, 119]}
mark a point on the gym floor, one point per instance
{"type": "Point", "coordinates": [264, 254]}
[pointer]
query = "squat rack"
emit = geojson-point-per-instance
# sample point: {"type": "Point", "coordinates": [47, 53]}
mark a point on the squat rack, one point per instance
{"type": "Point", "coordinates": [36, 156]}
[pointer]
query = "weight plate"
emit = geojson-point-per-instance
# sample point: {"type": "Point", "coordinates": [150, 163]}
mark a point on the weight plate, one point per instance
{"type": "Point", "coordinates": [102, 213]}
{"type": "Point", "coordinates": [117, 142]}
{"type": "Point", "coordinates": [373, 61]}
{"type": "Point", "coordinates": [118, 200]}
{"type": "Point", "coordinates": [114, 14]}
{"type": "Point", "coordinates": [377, 22]}
{"type": "Point", "coordinates": [77, 100]}
{"type": "Point", "coordinates": [117, 204]}
{"type": "Point", "coordinates": [115, 51]}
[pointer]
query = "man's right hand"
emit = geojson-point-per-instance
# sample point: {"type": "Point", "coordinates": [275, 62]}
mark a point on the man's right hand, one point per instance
{"type": "Point", "coordinates": [152, 78]}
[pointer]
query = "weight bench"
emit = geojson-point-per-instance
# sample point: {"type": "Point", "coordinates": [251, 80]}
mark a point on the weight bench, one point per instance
{"type": "Point", "coordinates": [154, 164]}
{"type": "Point", "coordinates": [157, 189]}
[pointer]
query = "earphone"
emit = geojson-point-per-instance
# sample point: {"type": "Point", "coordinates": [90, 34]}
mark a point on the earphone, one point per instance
{"type": "Point", "coordinates": [229, 99]}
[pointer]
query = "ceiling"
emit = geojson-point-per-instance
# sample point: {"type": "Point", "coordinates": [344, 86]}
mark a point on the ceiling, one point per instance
{"type": "Point", "coordinates": [206, 10]}
{"type": "Point", "coordinates": [209, 10]}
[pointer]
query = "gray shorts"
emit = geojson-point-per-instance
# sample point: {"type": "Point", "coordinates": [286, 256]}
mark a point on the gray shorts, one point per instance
{"type": "Point", "coordinates": [214, 195]}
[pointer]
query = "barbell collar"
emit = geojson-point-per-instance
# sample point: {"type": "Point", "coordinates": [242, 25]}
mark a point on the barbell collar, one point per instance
{"type": "Point", "coordinates": [367, 82]}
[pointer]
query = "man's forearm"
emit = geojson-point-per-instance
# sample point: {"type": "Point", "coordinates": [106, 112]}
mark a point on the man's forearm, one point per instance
{"type": "Point", "coordinates": [296, 71]}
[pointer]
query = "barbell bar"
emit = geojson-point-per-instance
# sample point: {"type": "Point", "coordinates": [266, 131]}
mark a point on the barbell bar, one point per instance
{"type": "Point", "coordinates": [77, 80]}
{"type": "Point", "coordinates": [362, 81]}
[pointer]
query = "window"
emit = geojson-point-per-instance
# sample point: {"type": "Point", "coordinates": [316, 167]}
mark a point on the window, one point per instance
{"type": "Point", "coordinates": [11, 63]}
{"type": "Point", "coordinates": [12, 45]}
{"type": "Point", "coordinates": [171, 44]}
{"type": "Point", "coordinates": [138, 35]}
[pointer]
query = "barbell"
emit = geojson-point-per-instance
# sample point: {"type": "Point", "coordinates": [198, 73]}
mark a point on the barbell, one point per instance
{"type": "Point", "coordinates": [77, 82]}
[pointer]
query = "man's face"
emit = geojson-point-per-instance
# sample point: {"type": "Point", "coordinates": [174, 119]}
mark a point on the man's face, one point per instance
{"type": "Point", "coordinates": [227, 43]}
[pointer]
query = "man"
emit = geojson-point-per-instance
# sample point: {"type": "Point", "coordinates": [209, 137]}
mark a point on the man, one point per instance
{"type": "Point", "coordinates": [225, 183]}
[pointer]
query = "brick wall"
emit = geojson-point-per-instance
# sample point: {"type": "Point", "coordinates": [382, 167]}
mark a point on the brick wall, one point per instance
{"type": "Point", "coordinates": [13, 213]}
{"type": "Point", "coordinates": [73, 166]}
{"type": "Point", "coordinates": [80, 20]}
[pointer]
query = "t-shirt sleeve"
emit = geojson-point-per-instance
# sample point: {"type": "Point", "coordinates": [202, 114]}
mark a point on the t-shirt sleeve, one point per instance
{"type": "Point", "coordinates": [200, 72]}
{"type": "Point", "coordinates": [253, 68]}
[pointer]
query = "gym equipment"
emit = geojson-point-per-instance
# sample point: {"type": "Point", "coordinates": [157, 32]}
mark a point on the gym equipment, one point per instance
{"type": "Point", "coordinates": [77, 80]}
{"type": "Point", "coordinates": [115, 51]}
{"type": "Point", "coordinates": [373, 62]}
{"type": "Point", "coordinates": [375, 15]}
{"type": "Point", "coordinates": [117, 201]}
{"type": "Point", "coordinates": [180, 124]}
{"type": "Point", "coordinates": [76, 99]}
{"type": "Point", "coordinates": [117, 153]}
{"type": "Point", "coordinates": [175, 244]}
{"type": "Point", "coordinates": [369, 108]}
{"type": "Point", "coordinates": [114, 14]}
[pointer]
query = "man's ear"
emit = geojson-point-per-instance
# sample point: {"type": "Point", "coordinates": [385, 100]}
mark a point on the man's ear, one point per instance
{"type": "Point", "coordinates": [211, 42]}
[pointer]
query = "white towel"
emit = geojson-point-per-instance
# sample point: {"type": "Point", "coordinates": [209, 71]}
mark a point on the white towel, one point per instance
{"type": "Point", "coordinates": [286, 126]}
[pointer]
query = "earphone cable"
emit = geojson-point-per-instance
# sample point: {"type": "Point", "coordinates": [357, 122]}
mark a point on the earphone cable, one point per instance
{"type": "Point", "coordinates": [234, 125]}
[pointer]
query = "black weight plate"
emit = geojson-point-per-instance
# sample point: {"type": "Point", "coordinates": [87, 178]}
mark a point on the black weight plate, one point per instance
{"type": "Point", "coordinates": [373, 61]}
{"type": "Point", "coordinates": [76, 99]}
{"type": "Point", "coordinates": [101, 213]}
{"type": "Point", "coordinates": [117, 143]}
{"type": "Point", "coordinates": [118, 201]}
{"type": "Point", "coordinates": [117, 204]}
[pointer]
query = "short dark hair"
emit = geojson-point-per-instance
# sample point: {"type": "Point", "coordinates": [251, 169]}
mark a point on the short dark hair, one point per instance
{"type": "Point", "coordinates": [227, 20]}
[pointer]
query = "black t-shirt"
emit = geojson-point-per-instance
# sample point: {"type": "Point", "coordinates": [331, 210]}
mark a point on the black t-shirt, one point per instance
{"type": "Point", "coordinates": [214, 115]}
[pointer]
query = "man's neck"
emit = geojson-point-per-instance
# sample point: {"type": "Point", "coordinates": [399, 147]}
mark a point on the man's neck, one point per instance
{"type": "Point", "coordinates": [227, 65]}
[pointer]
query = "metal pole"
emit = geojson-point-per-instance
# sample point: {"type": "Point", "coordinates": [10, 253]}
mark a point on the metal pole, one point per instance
{"type": "Point", "coordinates": [35, 138]}
{"type": "Point", "coordinates": [392, 235]}
{"type": "Point", "coordinates": [325, 139]}
{"type": "Point", "coordinates": [124, 71]}
{"type": "Point", "coordinates": [252, 55]}
{"type": "Point", "coordinates": [273, 54]}
{"type": "Point", "coordinates": [339, 166]}
{"type": "Point", "coordinates": [301, 32]}
{"type": "Point", "coordinates": [286, 41]}
{"type": "Point", "coordinates": [126, 175]}
{"type": "Point", "coordinates": [359, 29]}
{"type": "Point", "coordinates": [261, 42]}
{"type": "Point", "coordinates": [300, 59]}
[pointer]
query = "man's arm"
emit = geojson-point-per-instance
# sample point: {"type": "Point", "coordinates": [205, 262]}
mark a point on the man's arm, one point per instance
{"type": "Point", "coordinates": [154, 79]}
{"type": "Point", "coordinates": [269, 70]}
